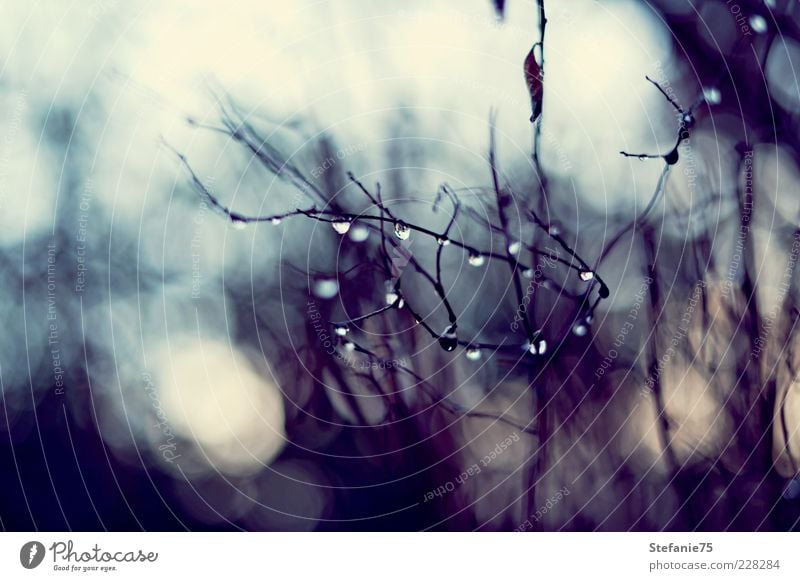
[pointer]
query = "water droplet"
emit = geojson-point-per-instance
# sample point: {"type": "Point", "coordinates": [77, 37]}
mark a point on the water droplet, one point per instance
{"type": "Point", "coordinates": [341, 330]}
{"type": "Point", "coordinates": [442, 241]}
{"type": "Point", "coordinates": [688, 120]}
{"type": "Point", "coordinates": [349, 346]}
{"type": "Point", "coordinates": [401, 303]}
{"type": "Point", "coordinates": [473, 353]}
{"type": "Point", "coordinates": [589, 319]}
{"type": "Point", "coordinates": [475, 259]}
{"type": "Point", "coordinates": [586, 275]}
{"type": "Point", "coordinates": [541, 346]}
{"type": "Point", "coordinates": [326, 288]}
{"type": "Point", "coordinates": [448, 341]}
{"type": "Point", "coordinates": [712, 95]}
{"type": "Point", "coordinates": [391, 296]}
{"type": "Point", "coordinates": [401, 230]}
{"type": "Point", "coordinates": [530, 347]}
{"type": "Point", "coordinates": [758, 24]}
{"type": "Point", "coordinates": [672, 157]}
{"type": "Point", "coordinates": [527, 273]}
{"type": "Point", "coordinates": [359, 233]}
{"type": "Point", "coordinates": [238, 223]}
{"type": "Point", "coordinates": [554, 229]}
{"type": "Point", "coordinates": [341, 225]}
{"type": "Point", "coordinates": [643, 157]}
{"type": "Point", "coordinates": [275, 221]}
{"type": "Point", "coordinates": [579, 329]}
{"type": "Point", "coordinates": [514, 247]}
{"type": "Point", "coordinates": [603, 291]}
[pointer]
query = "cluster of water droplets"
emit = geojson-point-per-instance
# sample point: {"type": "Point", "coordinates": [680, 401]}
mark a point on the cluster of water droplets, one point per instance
{"type": "Point", "coordinates": [327, 288]}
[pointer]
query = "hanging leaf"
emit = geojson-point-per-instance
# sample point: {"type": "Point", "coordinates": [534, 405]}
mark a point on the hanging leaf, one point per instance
{"type": "Point", "coordinates": [535, 82]}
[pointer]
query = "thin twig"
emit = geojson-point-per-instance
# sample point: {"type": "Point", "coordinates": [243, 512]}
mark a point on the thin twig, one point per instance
{"type": "Point", "coordinates": [503, 198]}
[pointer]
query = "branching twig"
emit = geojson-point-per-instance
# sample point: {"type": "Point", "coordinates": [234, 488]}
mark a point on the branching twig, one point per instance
{"type": "Point", "coordinates": [686, 121]}
{"type": "Point", "coordinates": [392, 231]}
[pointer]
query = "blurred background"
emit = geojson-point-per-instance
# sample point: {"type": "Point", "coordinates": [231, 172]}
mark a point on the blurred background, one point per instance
{"type": "Point", "coordinates": [162, 368]}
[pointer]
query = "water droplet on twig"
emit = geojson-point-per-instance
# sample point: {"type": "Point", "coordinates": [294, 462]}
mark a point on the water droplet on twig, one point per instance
{"type": "Point", "coordinates": [586, 275]}
{"type": "Point", "coordinates": [513, 247]}
{"type": "Point", "coordinates": [442, 240]}
{"type": "Point", "coordinates": [475, 259]}
{"type": "Point", "coordinates": [473, 353]}
{"type": "Point", "coordinates": [391, 296]}
{"type": "Point", "coordinates": [449, 340]}
{"type": "Point", "coordinates": [341, 330]}
{"type": "Point", "coordinates": [554, 229]}
{"type": "Point", "coordinates": [275, 221]}
{"type": "Point", "coordinates": [238, 223]}
{"type": "Point", "coordinates": [401, 230]}
{"type": "Point", "coordinates": [341, 225]}
{"type": "Point", "coordinates": [536, 347]}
